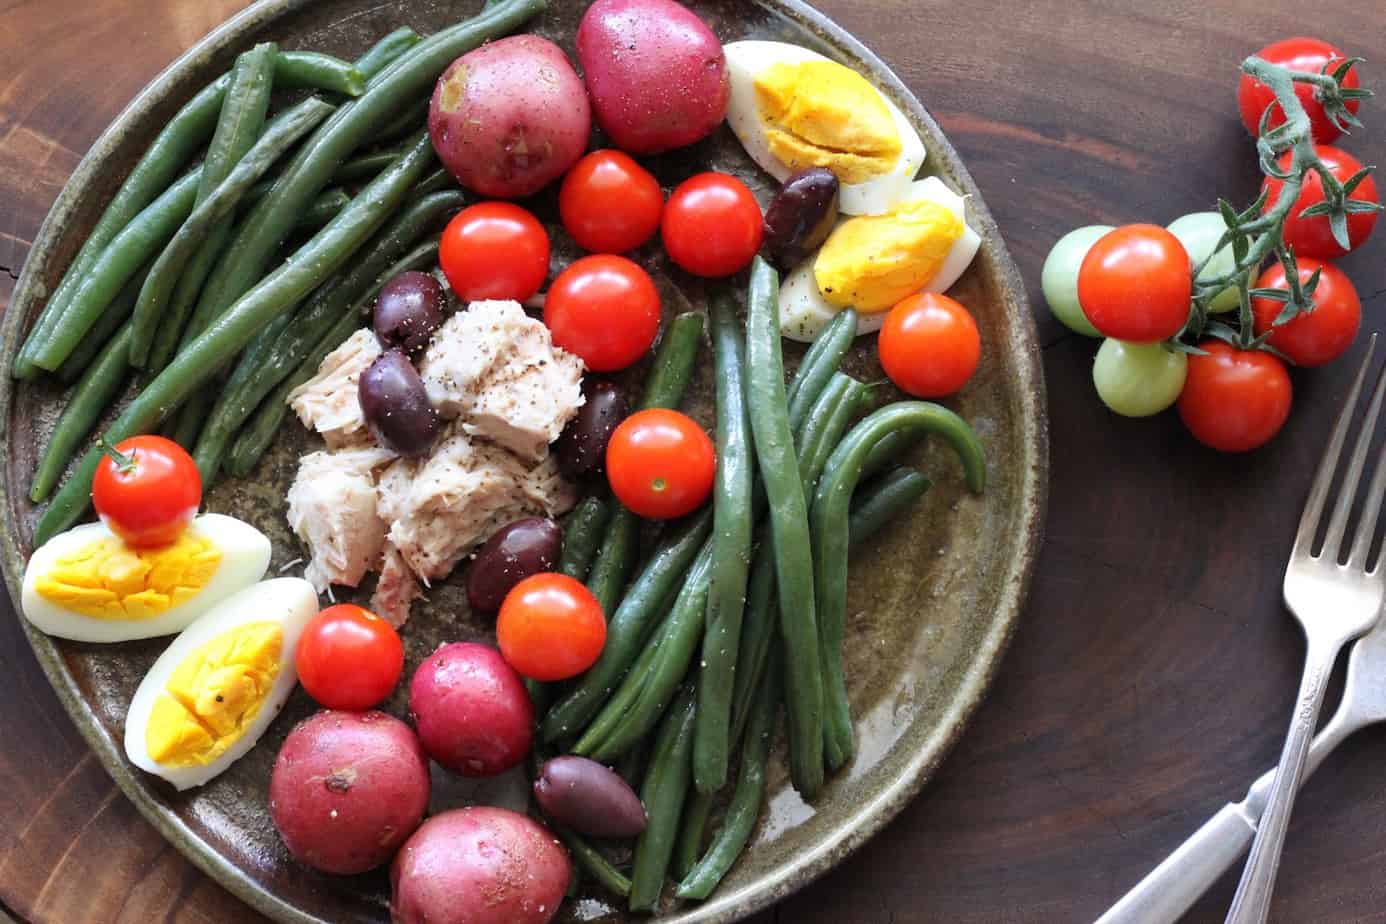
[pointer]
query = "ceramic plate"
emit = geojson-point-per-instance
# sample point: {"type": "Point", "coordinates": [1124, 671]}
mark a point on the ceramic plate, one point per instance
{"type": "Point", "coordinates": [933, 599]}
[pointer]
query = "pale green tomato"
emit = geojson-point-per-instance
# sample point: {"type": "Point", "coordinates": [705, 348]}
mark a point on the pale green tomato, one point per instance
{"type": "Point", "coordinates": [1138, 379]}
{"type": "Point", "coordinates": [1059, 278]}
{"type": "Point", "coordinates": [1199, 233]}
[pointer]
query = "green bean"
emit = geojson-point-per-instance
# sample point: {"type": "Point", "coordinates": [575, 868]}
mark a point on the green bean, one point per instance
{"type": "Point", "coordinates": [260, 370]}
{"type": "Point", "coordinates": [410, 76]}
{"type": "Point", "coordinates": [691, 830]}
{"type": "Point", "coordinates": [385, 51]}
{"type": "Point", "coordinates": [629, 626]}
{"type": "Point", "coordinates": [409, 119]}
{"type": "Point", "coordinates": [539, 694]}
{"type": "Point", "coordinates": [256, 438]}
{"type": "Point", "coordinates": [673, 363]}
{"type": "Point", "coordinates": [185, 294]}
{"type": "Point", "coordinates": [831, 538]}
{"type": "Point", "coordinates": [878, 501]}
{"type": "Point", "coordinates": [632, 765]}
{"type": "Point", "coordinates": [158, 286]}
{"type": "Point", "coordinates": [615, 557]}
{"type": "Point", "coordinates": [365, 165]}
{"type": "Point", "coordinates": [788, 528]}
{"type": "Point", "coordinates": [582, 533]}
{"type": "Point", "coordinates": [666, 787]}
{"type": "Point", "coordinates": [591, 861]}
{"type": "Point", "coordinates": [324, 208]}
{"type": "Point", "coordinates": [437, 181]}
{"type": "Point", "coordinates": [93, 394]}
{"type": "Point", "coordinates": [887, 451]}
{"type": "Point", "coordinates": [821, 360]}
{"type": "Point", "coordinates": [101, 333]}
{"type": "Point", "coordinates": [275, 294]}
{"type": "Point", "coordinates": [175, 144]}
{"type": "Point", "coordinates": [825, 424]}
{"type": "Point", "coordinates": [746, 800]}
{"type": "Point", "coordinates": [731, 549]}
{"type": "Point", "coordinates": [313, 70]}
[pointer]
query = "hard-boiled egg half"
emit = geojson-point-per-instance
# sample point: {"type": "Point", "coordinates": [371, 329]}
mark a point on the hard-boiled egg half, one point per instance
{"type": "Point", "coordinates": [921, 244]}
{"type": "Point", "coordinates": [215, 690]}
{"type": "Point", "coordinates": [86, 584]}
{"type": "Point", "coordinates": [793, 108]}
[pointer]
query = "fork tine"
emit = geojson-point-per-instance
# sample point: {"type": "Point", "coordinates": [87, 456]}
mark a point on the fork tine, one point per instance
{"type": "Point", "coordinates": [1347, 491]}
{"type": "Point", "coordinates": [1371, 513]}
{"type": "Point", "coordinates": [1323, 480]}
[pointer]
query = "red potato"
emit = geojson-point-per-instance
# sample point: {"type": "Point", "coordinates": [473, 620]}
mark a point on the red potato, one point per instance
{"type": "Point", "coordinates": [347, 789]}
{"type": "Point", "coordinates": [471, 709]}
{"type": "Point", "coordinates": [656, 73]}
{"type": "Point", "coordinates": [478, 865]}
{"type": "Point", "coordinates": [510, 117]}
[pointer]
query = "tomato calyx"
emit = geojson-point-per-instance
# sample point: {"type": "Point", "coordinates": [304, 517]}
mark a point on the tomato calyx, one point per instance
{"type": "Point", "coordinates": [124, 463]}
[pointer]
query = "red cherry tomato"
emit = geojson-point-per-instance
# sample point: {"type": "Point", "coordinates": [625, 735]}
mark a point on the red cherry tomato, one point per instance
{"type": "Point", "coordinates": [1308, 55]}
{"type": "Point", "coordinates": [1136, 284]}
{"type": "Point", "coordinates": [929, 345]}
{"type": "Point", "coordinates": [1323, 334]}
{"type": "Point", "coordinates": [1234, 400]}
{"type": "Point", "coordinates": [494, 250]}
{"type": "Point", "coordinates": [349, 658]}
{"type": "Point", "coordinates": [609, 203]}
{"type": "Point", "coordinates": [660, 464]}
{"type": "Point", "coordinates": [712, 225]}
{"type": "Point", "coordinates": [147, 491]}
{"type": "Point", "coordinates": [550, 627]}
{"type": "Point", "coordinates": [605, 310]}
{"type": "Point", "coordinates": [1313, 236]}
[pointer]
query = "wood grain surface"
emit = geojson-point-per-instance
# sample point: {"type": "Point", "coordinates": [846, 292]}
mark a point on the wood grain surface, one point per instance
{"type": "Point", "coordinates": [1155, 667]}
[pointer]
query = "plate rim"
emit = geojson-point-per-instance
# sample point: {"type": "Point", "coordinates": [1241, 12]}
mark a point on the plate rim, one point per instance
{"type": "Point", "coordinates": [1032, 490]}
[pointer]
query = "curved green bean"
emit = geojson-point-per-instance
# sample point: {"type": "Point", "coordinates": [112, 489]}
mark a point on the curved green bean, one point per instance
{"type": "Point", "coordinates": [664, 791]}
{"type": "Point", "coordinates": [582, 533]}
{"type": "Point", "coordinates": [276, 293]}
{"type": "Point", "coordinates": [820, 361]}
{"type": "Point", "coordinates": [314, 70]}
{"type": "Point", "coordinates": [692, 827]}
{"type": "Point", "coordinates": [876, 502]}
{"type": "Point", "coordinates": [788, 528]}
{"type": "Point", "coordinates": [385, 51]}
{"type": "Point", "coordinates": [591, 861]}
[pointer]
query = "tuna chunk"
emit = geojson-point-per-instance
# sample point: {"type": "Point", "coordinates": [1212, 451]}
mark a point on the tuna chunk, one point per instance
{"type": "Point", "coordinates": [496, 369]}
{"type": "Point", "coordinates": [459, 496]}
{"type": "Point", "coordinates": [328, 402]}
{"type": "Point", "coordinates": [397, 588]}
{"type": "Point", "coordinates": [332, 508]}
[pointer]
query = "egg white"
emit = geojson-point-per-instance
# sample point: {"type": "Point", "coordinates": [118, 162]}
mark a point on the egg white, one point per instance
{"type": "Point", "coordinates": [804, 312]}
{"type": "Point", "coordinates": [245, 554]}
{"type": "Point", "coordinates": [291, 602]}
{"type": "Point", "coordinates": [747, 59]}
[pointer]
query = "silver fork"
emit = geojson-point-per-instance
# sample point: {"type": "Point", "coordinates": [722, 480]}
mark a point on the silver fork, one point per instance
{"type": "Point", "coordinates": [1334, 603]}
{"type": "Point", "coordinates": [1170, 889]}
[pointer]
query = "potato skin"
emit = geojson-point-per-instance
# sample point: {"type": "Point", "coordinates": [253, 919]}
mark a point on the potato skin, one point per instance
{"type": "Point", "coordinates": [510, 117]}
{"type": "Point", "coordinates": [656, 73]}
{"type": "Point", "coordinates": [479, 865]}
{"type": "Point", "coordinates": [347, 789]}
{"type": "Point", "coordinates": [472, 711]}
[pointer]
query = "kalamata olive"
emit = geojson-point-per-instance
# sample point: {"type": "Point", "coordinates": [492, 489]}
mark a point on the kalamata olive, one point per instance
{"type": "Point", "coordinates": [581, 447]}
{"type": "Point", "coordinates": [408, 311]}
{"type": "Point", "coordinates": [589, 798]}
{"type": "Point", "coordinates": [513, 553]}
{"type": "Point", "coordinates": [801, 215]}
{"type": "Point", "coordinates": [396, 406]}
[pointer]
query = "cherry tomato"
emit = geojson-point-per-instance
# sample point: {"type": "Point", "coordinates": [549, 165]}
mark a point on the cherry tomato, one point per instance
{"type": "Point", "coordinates": [550, 627]}
{"type": "Point", "coordinates": [1136, 284]}
{"type": "Point", "coordinates": [712, 225]}
{"type": "Point", "coordinates": [1308, 55]}
{"type": "Point", "coordinates": [349, 658]}
{"type": "Point", "coordinates": [609, 203]}
{"type": "Point", "coordinates": [147, 491]}
{"type": "Point", "coordinates": [1323, 334]}
{"type": "Point", "coordinates": [605, 310]}
{"type": "Point", "coordinates": [1234, 400]}
{"type": "Point", "coordinates": [1313, 237]}
{"type": "Point", "coordinates": [660, 464]}
{"type": "Point", "coordinates": [494, 250]}
{"type": "Point", "coordinates": [929, 345]}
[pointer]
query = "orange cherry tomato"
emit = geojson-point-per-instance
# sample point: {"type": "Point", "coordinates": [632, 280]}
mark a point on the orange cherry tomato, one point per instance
{"type": "Point", "coordinates": [550, 627]}
{"type": "Point", "coordinates": [660, 464]}
{"type": "Point", "coordinates": [929, 345]}
{"type": "Point", "coordinates": [609, 203]}
{"type": "Point", "coordinates": [1136, 284]}
{"type": "Point", "coordinates": [494, 250]}
{"type": "Point", "coordinates": [349, 658]}
{"type": "Point", "coordinates": [147, 491]}
{"type": "Point", "coordinates": [712, 225]}
{"type": "Point", "coordinates": [603, 309]}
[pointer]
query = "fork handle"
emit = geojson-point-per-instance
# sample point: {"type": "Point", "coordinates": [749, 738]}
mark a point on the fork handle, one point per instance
{"type": "Point", "coordinates": [1171, 888]}
{"type": "Point", "coordinates": [1251, 905]}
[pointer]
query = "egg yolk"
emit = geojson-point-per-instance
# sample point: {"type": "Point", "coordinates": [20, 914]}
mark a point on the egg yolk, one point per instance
{"type": "Point", "coordinates": [110, 580]}
{"type": "Point", "coordinates": [822, 114]}
{"type": "Point", "coordinates": [870, 263]}
{"type": "Point", "coordinates": [213, 695]}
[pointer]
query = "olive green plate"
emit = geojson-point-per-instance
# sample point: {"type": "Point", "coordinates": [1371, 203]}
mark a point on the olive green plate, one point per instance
{"type": "Point", "coordinates": [933, 600]}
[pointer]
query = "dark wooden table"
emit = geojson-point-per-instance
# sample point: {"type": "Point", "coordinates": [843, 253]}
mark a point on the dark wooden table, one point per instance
{"type": "Point", "coordinates": [1154, 670]}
